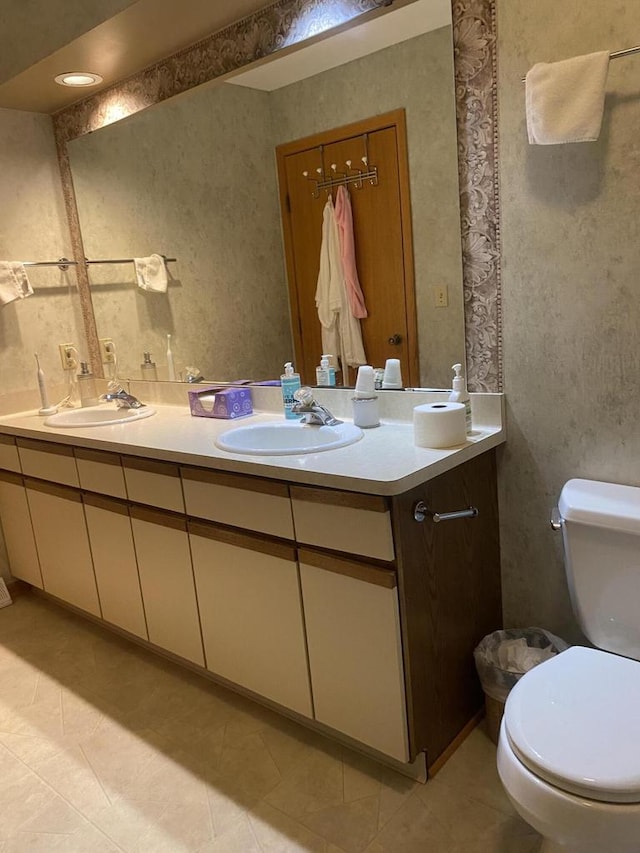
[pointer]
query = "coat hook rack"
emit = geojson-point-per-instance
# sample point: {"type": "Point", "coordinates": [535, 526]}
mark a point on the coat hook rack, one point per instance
{"type": "Point", "coordinates": [350, 176]}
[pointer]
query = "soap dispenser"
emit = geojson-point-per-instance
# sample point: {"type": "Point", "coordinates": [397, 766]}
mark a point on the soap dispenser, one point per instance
{"type": "Point", "coordinates": [290, 382]}
{"type": "Point", "coordinates": [325, 373]}
{"type": "Point", "coordinates": [148, 367]}
{"type": "Point", "coordinates": [460, 394]}
{"type": "Point", "coordinates": [87, 386]}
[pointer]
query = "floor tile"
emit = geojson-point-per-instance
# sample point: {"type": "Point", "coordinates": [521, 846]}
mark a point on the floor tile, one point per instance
{"type": "Point", "coordinates": [107, 748]}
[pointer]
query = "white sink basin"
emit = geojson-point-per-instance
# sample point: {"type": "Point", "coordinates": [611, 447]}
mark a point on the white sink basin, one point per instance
{"type": "Point", "coordinates": [93, 416]}
{"type": "Point", "coordinates": [282, 439]}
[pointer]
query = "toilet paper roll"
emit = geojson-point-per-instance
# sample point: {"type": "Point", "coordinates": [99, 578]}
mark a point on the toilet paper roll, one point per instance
{"type": "Point", "coordinates": [439, 425]}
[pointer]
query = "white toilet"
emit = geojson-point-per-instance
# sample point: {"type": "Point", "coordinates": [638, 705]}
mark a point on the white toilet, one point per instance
{"type": "Point", "coordinates": [569, 748]}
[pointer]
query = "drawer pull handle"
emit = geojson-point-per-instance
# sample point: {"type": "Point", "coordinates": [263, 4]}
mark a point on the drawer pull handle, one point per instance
{"type": "Point", "coordinates": [421, 511]}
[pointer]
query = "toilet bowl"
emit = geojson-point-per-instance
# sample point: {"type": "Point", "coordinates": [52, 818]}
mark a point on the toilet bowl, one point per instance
{"type": "Point", "coordinates": [569, 746]}
{"type": "Point", "coordinates": [569, 752]}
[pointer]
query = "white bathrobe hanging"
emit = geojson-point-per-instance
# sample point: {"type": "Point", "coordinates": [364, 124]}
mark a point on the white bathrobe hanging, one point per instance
{"type": "Point", "coordinates": [341, 333]}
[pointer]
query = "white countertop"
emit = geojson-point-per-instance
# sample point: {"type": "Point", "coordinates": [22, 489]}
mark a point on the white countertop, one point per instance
{"type": "Point", "coordinates": [384, 462]}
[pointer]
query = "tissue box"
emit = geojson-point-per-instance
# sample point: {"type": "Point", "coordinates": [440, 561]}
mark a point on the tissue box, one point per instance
{"type": "Point", "coordinates": [221, 402]}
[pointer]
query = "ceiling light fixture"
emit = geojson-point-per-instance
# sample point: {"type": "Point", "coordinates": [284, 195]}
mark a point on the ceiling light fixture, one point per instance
{"type": "Point", "coordinates": [78, 78]}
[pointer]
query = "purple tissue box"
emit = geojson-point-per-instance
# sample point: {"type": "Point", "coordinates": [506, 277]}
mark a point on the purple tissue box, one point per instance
{"type": "Point", "coordinates": [221, 402]}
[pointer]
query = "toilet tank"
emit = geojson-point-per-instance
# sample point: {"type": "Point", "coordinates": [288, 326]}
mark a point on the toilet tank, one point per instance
{"type": "Point", "coordinates": [601, 533]}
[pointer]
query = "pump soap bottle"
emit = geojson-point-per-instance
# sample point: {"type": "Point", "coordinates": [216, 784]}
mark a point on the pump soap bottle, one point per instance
{"type": "Point", "coordinates": [148, 368]}
{"type": "Point", "coordinates": [461, 395]}
{"type": "Point", "coordinates": [87, 386]}
{"type": "Point", "coordinates": [325, 373]}
{"type": "Point", "coordinates": [290, 382]}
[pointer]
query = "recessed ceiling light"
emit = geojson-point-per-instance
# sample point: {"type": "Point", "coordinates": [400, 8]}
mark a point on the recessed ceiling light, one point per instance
{"type": "Point", "coordinates": [78, 78]}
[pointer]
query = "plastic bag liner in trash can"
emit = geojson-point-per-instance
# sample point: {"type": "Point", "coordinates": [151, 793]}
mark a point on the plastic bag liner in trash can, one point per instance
{"type": "Point", "coordinates": [502, 658]}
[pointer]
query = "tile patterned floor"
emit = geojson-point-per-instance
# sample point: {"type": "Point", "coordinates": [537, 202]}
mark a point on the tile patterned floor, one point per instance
{"type": "Point", "coordinates": [106, 748]}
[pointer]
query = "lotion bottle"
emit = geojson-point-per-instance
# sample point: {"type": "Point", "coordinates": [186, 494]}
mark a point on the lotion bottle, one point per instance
{"type": "Point", "coordinates": [290, 382]}
{"type": "Point", "coordinates": [460, 394]}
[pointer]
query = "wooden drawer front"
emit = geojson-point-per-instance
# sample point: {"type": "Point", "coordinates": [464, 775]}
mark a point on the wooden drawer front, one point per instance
{"type": "Point", "coordinates": [166, 578]}
{"type": "Point", "coordinates": [9, 459]}
{"type": "Point", "coordinates": [352, 529]}
{"type": "Point", "coordinates": [238, 501]}
{"type": "Point", "coordinates": [116, 568]}
{"type": "Point", "coordinates": [47, 461]}
{"type": "Point", "coordinates": [153, 483]}
{"type": "Point", "coordinates": [63, 545]}
{"type": "Point", "coordinates": [18, 532]}
{"type": "Point", "coordinates": [101, 472]}
{"type": "Point", "coordinates": [252, 621]}
{"type": "Point", "coordinates": [355, 658]}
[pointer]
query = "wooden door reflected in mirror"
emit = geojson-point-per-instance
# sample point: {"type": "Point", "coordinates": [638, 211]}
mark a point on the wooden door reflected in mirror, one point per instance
{"type": "Point", "coordinates": [309, 170]}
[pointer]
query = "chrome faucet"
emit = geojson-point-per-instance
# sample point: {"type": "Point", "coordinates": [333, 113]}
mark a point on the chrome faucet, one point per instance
{"type": "Point", "coordinates": [311, 410]}
{"type": "Point", "coordinates": [122, 399]}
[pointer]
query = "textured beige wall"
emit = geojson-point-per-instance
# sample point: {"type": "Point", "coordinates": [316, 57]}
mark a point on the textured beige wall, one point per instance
{"type": "Point", "coordinates": [416, 75]}
{"type": "Point", "coordinates": [33, 227]}
{"type": "Point", "coordinates": [571, 296]}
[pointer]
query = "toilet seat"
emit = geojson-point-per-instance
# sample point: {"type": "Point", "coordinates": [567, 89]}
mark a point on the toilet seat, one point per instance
{"type": "Point", "coordinates": [574, 721]}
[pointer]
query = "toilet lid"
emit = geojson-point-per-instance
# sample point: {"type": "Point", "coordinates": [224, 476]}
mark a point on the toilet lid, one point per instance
{"type": "Point", "coordinates": [575, 722]}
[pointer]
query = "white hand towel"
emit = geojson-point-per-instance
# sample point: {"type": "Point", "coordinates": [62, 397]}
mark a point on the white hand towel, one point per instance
{"type": "Point", "coordinates": [151, 273]}
{"type": "Point", "coordinates": [565, 100]}
{"type": "Point", "coordinates": [14, 283]}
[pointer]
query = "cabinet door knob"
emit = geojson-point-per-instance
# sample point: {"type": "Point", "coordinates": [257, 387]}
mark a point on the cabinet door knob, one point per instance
{"type": "Point", "coordinates": [395, 340]}
{"type": "Point", "coordinates": [421, 511]}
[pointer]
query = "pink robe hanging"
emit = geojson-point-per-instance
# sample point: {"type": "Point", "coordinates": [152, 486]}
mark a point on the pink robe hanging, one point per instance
{"type": "Point", "coordinates": [344, 220]}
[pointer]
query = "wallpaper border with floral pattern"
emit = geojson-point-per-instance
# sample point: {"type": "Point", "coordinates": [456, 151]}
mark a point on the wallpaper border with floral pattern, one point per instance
{"type": "Point", "coordinates": [288, 22]}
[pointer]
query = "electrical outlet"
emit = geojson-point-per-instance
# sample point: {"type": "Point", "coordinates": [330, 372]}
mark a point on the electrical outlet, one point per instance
{"type": "Point", "coordinates": [441, 297]}
{"type": "Point", "coordinates": [106, 354]}
{"type": "Point", "coordinates": [68, 356]}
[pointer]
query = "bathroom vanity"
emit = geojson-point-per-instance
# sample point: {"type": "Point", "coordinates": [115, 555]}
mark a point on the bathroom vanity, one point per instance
{"type": "Point", "coordinates": [309, 582]}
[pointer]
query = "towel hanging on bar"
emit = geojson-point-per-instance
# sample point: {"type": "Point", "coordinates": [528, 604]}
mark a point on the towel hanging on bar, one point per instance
{"type": "Point", "coordinates": [565, 100]}
{"type": "Point", "coordinates": [14, 282]}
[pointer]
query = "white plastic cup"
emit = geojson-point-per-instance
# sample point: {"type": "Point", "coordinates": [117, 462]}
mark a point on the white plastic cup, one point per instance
{"type": "Point", "coordinates": [392, 374]}
{"type": "Point", "coordinates": [365, 383]}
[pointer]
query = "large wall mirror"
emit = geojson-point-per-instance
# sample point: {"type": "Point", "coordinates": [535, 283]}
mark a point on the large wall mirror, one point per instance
{"type": "Point", "coordinates": [195, 178]}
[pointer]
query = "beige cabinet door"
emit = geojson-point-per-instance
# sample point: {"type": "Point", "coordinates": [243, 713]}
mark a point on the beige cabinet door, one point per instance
{"type": "Point", "coordinates": [166, 579]}
{"type": "Point", "coordinates": [63, 544]}
{"type": "Point", "coordinates": [251, 614]}
{"type": "Point", "coordinates": [355, 654]}
{"type": "Point", "coordinates": [114, 560]}
{"type": "Point", "coordinates": [17, 530]}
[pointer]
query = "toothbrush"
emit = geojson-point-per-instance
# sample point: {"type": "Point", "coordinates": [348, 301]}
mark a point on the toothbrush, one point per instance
{"type": "Point", "coordinates": [171, 368]}
{"type": "Point", "coordinates": [46, 408]}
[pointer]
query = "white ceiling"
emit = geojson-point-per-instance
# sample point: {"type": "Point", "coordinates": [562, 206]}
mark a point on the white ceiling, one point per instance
{"type": "Point", "coordinates": [396, 26]}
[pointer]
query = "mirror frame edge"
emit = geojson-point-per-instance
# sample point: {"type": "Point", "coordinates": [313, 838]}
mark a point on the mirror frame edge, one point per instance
{"type": "Point", "coordinates": [475, 69]}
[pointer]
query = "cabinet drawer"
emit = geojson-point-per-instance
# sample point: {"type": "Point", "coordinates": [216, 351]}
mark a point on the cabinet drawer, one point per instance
{"type": "Point", "coordinates": [251, 614]}
{"type": "Point", "coordinates": [343, 521]}
{"type": "Point", "coordinates": [101, 472]}
{"type": "Point", "coordinates": [355, 656]}
{"type": "Point", "coordinates": [48, 461]}
{"type": "Point", "coordinates": [9, 459]}
{"type": "Point", "coordinates": [153, 483]}
{"type": "Point", "coordinates": [247, 502]}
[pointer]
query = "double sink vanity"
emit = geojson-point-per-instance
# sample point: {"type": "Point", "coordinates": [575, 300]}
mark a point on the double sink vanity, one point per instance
{"type": "Point", "coordinates": [305, 579]}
